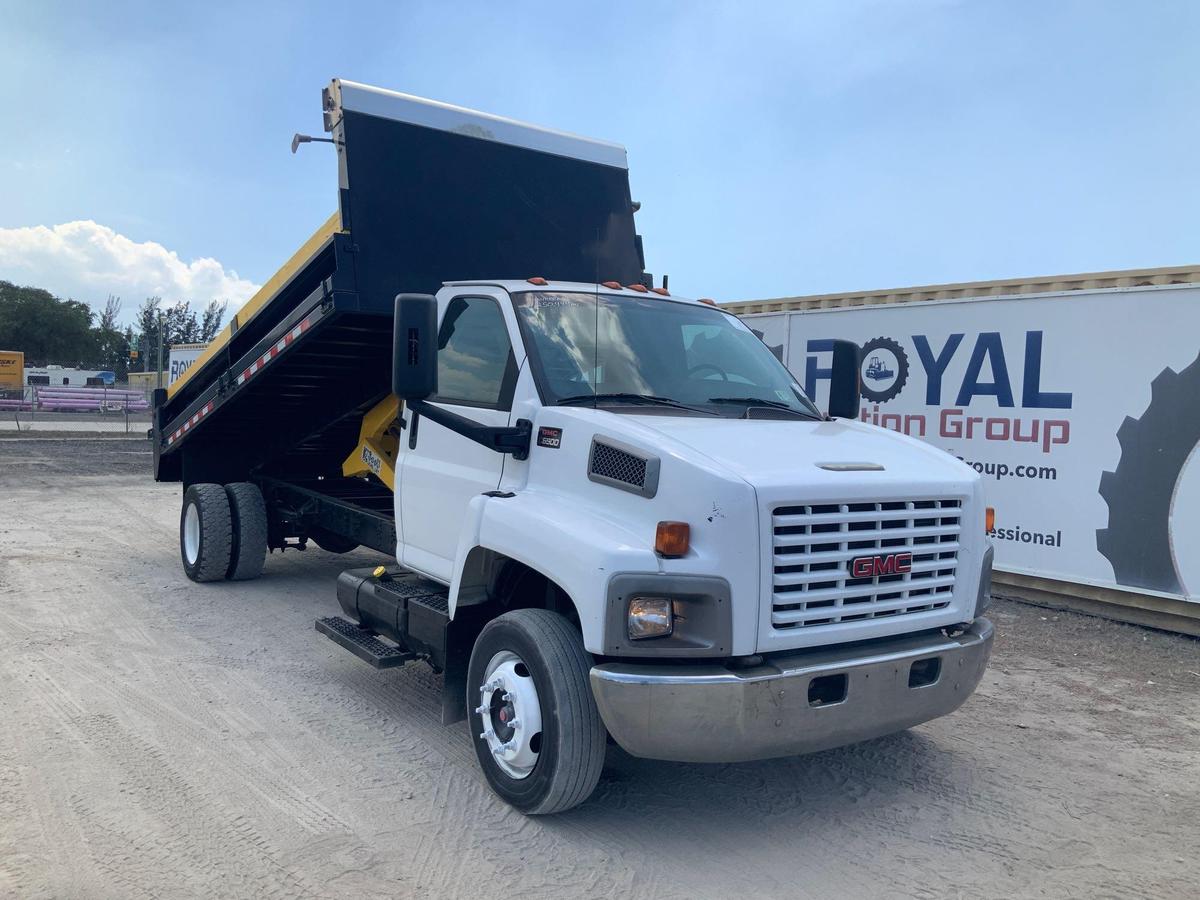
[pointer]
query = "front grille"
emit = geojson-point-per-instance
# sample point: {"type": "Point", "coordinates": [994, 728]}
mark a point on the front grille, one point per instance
{"type": "Point", "coordinates": [814, 546]}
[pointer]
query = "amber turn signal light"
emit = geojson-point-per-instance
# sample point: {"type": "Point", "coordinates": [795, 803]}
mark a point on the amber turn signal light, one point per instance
{"type": "Point", "coordinates": [672, 538]}
{"type": "Point", "coordinates": [989, 519]}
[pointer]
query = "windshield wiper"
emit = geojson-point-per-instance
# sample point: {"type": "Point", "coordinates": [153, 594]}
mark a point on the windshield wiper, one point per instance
{"type": "Point", "coordinates": [761, 401]}
{"type": "Point", "coordinates": [643, 399]}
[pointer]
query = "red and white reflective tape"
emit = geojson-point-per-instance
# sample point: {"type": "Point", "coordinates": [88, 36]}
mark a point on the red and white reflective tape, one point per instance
{"type": "Point", "coordinates": [187, 426]}
{"type": "Point", "coordinates": [259, 364]}
{"type": "Point", "coordinates": [254, 368]}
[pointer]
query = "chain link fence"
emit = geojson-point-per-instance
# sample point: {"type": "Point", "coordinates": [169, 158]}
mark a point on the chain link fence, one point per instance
{"type": "Point", "coordinates": [42, 407]}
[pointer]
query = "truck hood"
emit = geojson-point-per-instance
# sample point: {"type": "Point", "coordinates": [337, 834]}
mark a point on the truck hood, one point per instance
{"type": "Point", "coordinates": [783, 453]}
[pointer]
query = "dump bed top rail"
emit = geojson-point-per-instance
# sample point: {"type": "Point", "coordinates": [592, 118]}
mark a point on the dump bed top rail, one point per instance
{"type": "Point", "coordinates": [342, 96]}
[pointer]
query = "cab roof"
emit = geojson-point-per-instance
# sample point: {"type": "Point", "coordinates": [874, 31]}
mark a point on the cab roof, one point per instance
{"type": "Point", "coordinates": [513, 285]}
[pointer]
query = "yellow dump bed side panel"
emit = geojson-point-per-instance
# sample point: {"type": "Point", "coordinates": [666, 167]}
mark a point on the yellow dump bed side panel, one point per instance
{"type": "Point", "coordinates": [256, 303]}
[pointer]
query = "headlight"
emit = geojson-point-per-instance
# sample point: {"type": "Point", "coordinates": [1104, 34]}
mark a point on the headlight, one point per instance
{"type": "Point", "coordinates": [649, 617]}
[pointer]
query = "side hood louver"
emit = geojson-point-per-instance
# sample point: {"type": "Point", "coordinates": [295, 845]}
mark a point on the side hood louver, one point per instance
{"type": "Point", "coordinates": [622, 466]}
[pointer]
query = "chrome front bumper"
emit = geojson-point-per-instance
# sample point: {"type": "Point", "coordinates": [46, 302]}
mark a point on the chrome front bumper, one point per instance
{"type": "Point", "coordinates": [715, 714]}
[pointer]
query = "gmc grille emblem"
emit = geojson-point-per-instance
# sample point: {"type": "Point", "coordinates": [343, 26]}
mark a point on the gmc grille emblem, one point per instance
{"type": "Point", "coordinates": [872, 566]}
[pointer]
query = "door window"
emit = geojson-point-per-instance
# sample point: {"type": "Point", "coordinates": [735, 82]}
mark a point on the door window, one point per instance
{"type": "Point", "coordinates": [475, 360]}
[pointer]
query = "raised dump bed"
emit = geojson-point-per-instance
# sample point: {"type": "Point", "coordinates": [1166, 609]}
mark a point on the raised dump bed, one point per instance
{"type": "Point", "coordinates": [427, 193]}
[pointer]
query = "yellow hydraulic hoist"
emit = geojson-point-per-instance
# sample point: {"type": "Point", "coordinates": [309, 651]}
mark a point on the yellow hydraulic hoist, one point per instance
{"type": "Point", "coordinates": [378, 440]}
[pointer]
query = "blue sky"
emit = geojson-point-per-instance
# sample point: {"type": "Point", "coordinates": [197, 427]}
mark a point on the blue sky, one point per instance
{"type": "Point", "coordinates": [777, 148]}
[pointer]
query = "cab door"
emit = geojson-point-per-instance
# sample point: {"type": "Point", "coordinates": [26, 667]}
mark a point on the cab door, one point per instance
{"type": "Point", "coordinates": [440, 470]}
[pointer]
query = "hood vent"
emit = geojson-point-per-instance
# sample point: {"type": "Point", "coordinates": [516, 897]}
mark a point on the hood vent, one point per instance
{"type": "Point", "coordinates": [621, 466]}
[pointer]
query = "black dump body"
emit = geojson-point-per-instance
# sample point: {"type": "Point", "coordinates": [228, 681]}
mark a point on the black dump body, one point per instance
{"type": "Point", "coordinates": [421, 202]}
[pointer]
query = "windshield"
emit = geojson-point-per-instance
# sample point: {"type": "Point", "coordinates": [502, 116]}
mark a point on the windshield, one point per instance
{"type": "Point", "coordinates": [651, 351]}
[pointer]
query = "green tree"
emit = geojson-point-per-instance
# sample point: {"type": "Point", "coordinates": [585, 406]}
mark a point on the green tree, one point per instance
{"type": "Point", "coordinates": [49, 330]}
{"type": "Point", "coordinates": [146, 327]}
{"type": "Point", "coordinates": [214, 313]}
{"type": "Point", "coordinates": [111, 344]}
{"type": "Point", "coordinates": [46, 329]}
{"type": "Point", "coordinates": [180, 325]}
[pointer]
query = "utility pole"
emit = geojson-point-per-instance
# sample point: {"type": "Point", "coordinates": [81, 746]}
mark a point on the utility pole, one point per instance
{"type": "Point", "coordinates": [160, 347]}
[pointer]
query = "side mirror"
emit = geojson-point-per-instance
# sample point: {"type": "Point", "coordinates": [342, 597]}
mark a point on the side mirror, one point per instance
{"type": "Point", "coordinates": [845, 391]}
{"type": "Point", "coordinates": [414, 347]}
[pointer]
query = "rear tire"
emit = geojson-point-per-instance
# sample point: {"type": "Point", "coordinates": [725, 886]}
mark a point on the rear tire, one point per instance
{"type": "Point", "coordinates": [558, 767]}
{"type": "Point", "coordinates": [249, 521]}
{"type": "Point", "coordinates": [205, 532]}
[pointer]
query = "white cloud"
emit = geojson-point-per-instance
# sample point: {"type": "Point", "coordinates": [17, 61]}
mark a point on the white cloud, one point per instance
{"type": "Point", "coordinates": [88, 261]}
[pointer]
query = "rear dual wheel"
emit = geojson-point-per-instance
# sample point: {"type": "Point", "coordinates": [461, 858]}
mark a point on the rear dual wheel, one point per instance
{"type": "Point", "coordinates": [223, 532]}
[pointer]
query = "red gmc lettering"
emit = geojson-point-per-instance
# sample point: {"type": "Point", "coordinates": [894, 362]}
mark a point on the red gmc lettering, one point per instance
{"type": "Point", "coordinates": [872, 566]}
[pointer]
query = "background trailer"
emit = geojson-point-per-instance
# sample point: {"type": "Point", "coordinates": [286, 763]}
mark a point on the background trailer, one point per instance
{"type": "Point", "coordinates": [1078, 399]}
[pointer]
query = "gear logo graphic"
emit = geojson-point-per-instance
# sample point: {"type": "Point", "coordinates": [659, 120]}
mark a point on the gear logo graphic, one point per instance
{"type": "Point", "coordinates": [1140, 491]}
{"type": "Point", "coordinates": [884, 369]}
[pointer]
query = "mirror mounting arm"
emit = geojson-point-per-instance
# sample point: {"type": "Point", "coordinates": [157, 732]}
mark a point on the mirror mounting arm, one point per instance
{"type": "Point", "coordinates": [508, 439]}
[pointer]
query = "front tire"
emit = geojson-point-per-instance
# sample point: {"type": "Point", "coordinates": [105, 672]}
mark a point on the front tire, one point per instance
{"type": "Point", "coordinates": [529, 666]}
{"type": "Point", "coordinates": [205, 532]}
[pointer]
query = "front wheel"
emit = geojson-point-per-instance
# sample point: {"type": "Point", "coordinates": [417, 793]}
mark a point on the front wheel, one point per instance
{"type": "Point", "coordinates": [534, 722]}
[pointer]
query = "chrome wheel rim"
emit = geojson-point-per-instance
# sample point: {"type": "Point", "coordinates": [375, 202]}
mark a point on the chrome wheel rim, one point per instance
{"type": "Point", "coordinates": [511, 714]}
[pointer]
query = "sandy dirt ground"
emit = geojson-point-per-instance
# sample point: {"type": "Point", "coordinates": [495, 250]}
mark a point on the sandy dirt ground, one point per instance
{"type": "Point", "coordinates": [160, 738]}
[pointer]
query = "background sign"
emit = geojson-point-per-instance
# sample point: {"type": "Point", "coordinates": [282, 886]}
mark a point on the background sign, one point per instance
{"type": "Point", "coordinates": [1080, 410]}
{"type": "Point", "coordinates": [182, 357]}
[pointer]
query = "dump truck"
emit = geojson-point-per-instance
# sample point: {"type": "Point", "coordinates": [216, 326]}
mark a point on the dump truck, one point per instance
{"type": "Point", "coordinates": [612, 513]}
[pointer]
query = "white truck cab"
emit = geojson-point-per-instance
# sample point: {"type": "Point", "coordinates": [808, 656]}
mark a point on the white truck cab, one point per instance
{"type": "Point", "coordinates": [751, 577]}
